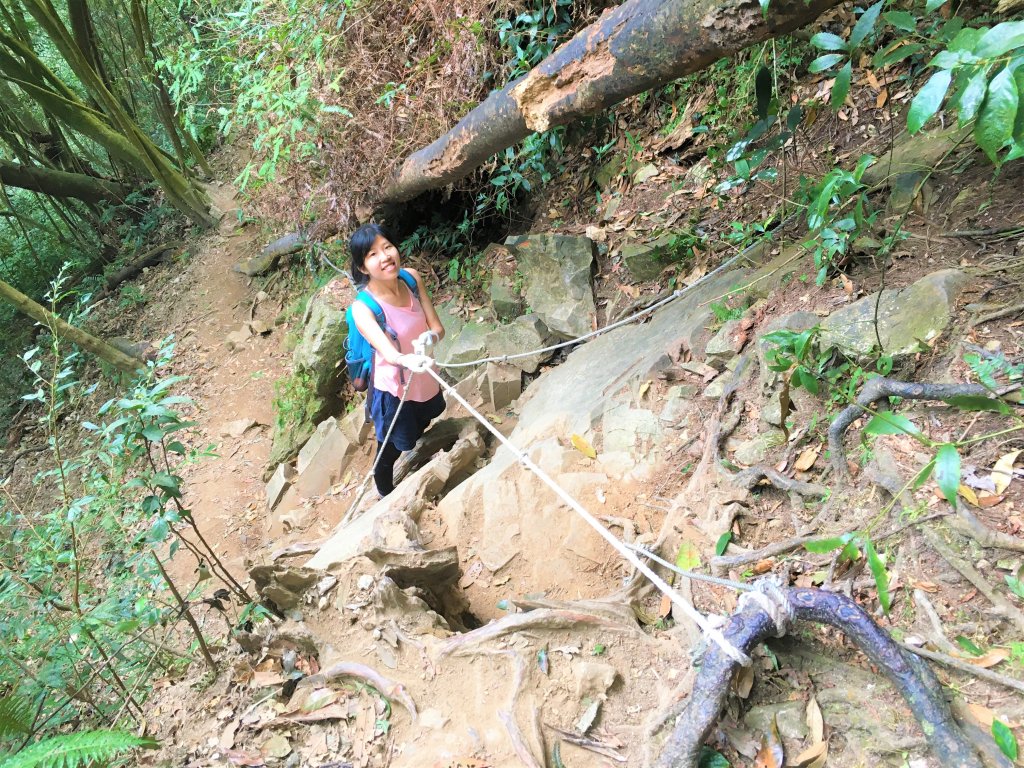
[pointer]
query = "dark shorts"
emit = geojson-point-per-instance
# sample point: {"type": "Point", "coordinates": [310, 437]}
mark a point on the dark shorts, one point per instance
{"type": "Point", "coordinates": [412, 420]}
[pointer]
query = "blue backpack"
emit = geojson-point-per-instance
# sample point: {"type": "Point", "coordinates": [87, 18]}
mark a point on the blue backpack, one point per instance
{"type": "Point", "coordinates": [358, 351]}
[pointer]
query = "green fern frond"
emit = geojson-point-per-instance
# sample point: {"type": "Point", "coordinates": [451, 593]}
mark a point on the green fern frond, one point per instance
{"type": "Point", "coordinates": [15, 717]}
{"type": "Point", "coordinates": [75, 749]}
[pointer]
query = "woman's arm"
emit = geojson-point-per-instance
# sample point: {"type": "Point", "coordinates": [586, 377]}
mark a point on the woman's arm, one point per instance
{"type": "Point", "coordinates": [373, 333]}
{"type": "Point", "coordinates": [433, 321]}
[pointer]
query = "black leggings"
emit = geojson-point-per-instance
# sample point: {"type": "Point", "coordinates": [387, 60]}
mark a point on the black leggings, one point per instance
{"type": "Point", "coordinates": [384, 474]}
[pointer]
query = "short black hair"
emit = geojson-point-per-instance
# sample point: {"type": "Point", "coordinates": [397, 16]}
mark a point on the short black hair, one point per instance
{"type": "Point", "coordinates": [359, 245]}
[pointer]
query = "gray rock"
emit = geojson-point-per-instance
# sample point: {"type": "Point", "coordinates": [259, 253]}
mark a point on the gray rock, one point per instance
{"type": "Point", "coordinates": [469, 344]}
{"type": "Point", "coordinates": [452, 329]}
{"type": "Point", "coordinates": [907, 318]}
{"type": "Point", "coordinates": [921, 152]}
{"type": "Point", "coordinates": [506, 302]}
{"type": "Point", "coordinates": [756, 450]}
{"type": "Point", "coordinates": [322, 346]}
{"type": "Point", "coordinates": [279, 483]}
{"type": "Point", "coordinates": [630, 430]}
{"type": "Point", "coordinates": [724, 345]}
{"type": "Point", "coordinates": [645, 261]}
{"type": "Point", "coordinates": [557, 281]}
{"type": "Point", "coordinates": [676, 400]}
{"type": "Point", "coordinates": [525, 333]}
{"type": "Point", "coordinates": [322, 461]}
{"type": "Point", "coordinates": [309, 450]}
{"type": "Point", "coordinates": [505, 384]}
{"type": "Point", "coordinates": [608, 173]}
{"type": "Point", "coordinates": [355, 426]}
{"type": "Point", "coordinates": [791, 717]}
{"type": "Point", "coordinates": [903, 190]}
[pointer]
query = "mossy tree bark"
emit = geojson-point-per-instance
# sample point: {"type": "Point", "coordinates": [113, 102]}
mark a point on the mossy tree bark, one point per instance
{"type": "Point", "coordinates": [639, 45]}
{"type": "Point", "coordinates": [60, 183]}
{"type": "Point", "coordinates": [90, 343]}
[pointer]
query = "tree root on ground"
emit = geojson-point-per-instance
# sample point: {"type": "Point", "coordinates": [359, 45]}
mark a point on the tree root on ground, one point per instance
{"type": "Point", "coordinates": [387, 687]}
{"type": "Point", "coordinates": [1002, 606]}
{"type": "Point", "coordinates": [748, 478]}
{"type": "Point", "coordinates": [876, 392]}
{"type": "Point", "coordinates": [767, 613]}
{"type": "Point", "coordinates": [967, 523]}
{"type": "Point", "coordinates": [541, 619]}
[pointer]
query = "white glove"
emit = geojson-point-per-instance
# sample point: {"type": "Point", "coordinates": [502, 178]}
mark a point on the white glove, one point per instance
{"type": "Point", "coordinates": [426, 340]}
{"type": "Point", "coordinates": [415, 363]}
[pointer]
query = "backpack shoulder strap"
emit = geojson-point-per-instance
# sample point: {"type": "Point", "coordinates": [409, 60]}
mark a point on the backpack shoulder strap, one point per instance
{"type": "Point", "coordinates": [367, 298]}
{"type": "Point", "coordinates": [410, 281]}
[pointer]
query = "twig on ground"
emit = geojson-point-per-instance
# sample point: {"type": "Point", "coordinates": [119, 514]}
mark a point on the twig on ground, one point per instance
{"type": "Point", "coordinates": [998, 314]}
{"type": "Point", "coordinates": [1003, 606]}
{"type": "Point", "coordinates": [594, 745]}
{"type": "Point", "coordinates": [966, 666]}
{"type": "Point", "coordinates": [937, 636]}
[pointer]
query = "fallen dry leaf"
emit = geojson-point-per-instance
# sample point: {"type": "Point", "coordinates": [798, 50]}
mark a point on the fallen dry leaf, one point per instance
{"type": "Point", "coordinates": [1002, 472]}
{"type": "Point", "coordinates": [744, 681]}
{"type": "Point", "coordinates": [666, 606]}
{"type": "Point", "coordinates": [815, 722]}
{"type": "Point", "coordinates": [643, 389]}
{"type": "Point", "coordinates": [238, 757]}
{"type": "Point", "coordinates": [969, 495]}
{"type": "Point", "coordinates": [989, 659]}
{"type": "Point", "coordinates": [926, 586]}
{"type": "Point", "coordinates": [812, 757]}
{"type": "Point", "coordinates": [806, 459]}
{"type": "Point", "coordinates": [581, 445]}
{"type": "Point", "coordinates": [986, 500]}
{"type": "Point", "coordinates": [763, 566]}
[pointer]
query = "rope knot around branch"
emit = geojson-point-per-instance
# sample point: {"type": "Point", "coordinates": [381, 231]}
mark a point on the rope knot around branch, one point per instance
{"type": "Point", "coordinates": [770, 596]}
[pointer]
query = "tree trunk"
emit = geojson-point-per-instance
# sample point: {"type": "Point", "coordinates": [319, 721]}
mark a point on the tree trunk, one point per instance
{"type": "Point", "coordinates": [639, 45]}
{"type": "Point", "coordinates": [40, 314]}
{"type": "Point", "coordinates": [59, 183]}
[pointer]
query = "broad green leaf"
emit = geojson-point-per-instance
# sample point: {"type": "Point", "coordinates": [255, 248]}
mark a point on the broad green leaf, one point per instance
{"type": "Point", "coordinates": [972, 96]}
{"type": "Point", "coordinates": [1001, 39]}
{"type": "Point", "coordinates": [688, 558]}
{"type": "Point", "coordinates": [709, 758]}
{"type": "Point", "coordinates": [841, 87]}
{"type": "Point", "coordinates": [901, 20]}
{"type": "Point", "coordinates": [1018, 123]}
{"type": "Point", "coordinates": [928, 100]}
{"type": "Point", "coordinates": [880, 575]}
{"type": "Point", "coordinates": [1015, 585]}
{"type": "Point", "coordinates": [924, 474]}
{"type": "Point", "coordinates": [764, 7]}
{"type": "Point", "coordinates": [966, 39]}
{"type": "Point", "coordinates": [824, 546]}
{"type": "Point", "coordinates": [950, 59]}
{"type": "Point", "coordinates": [865, 24]}
{"type": "Point", "coordinates": [996, 122]}
{"type": "Point", "coordinates": [891, 424]}
{"type": "Point", "coordinates": [153, 433]}
{"type": "Point", "coordinates": [947, 471]}
{"type": "Point", "coordinates": [722, 543]}
{"type": "Point", "coordinates": [827, 61]}
{"type": "Point", "coordinates": [968, 645]}
{"type": "Point", "coordinates": [896, 52]}
{"type": "Point", "coordinates": [978, 403]}
{"type": "Point", "coordinates": [933, 5]}
{"type": "Point", "coordinates": [826, 41]}
{"type": "Point", "coordinates": [1005, 739]}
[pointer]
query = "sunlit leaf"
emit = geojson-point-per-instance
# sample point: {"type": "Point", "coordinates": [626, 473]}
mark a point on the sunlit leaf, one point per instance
{"type": "Point", "coordinates": [688, 558]}
{"type": "Point", "coordinates": [841, 87]}
{"type": "Point", "coordinates": [973, 96]}
{"type": "Point", "coordinates": [978, 403]}
{"type": "Point", "coordinates": [581, 445]}
{"type": "Point", "coordinates": [826, 41]}
{"type": "Point", "coordinates": [928, 100]}
{"type": "Point", "coordinates": [947, 471]}
{"type": "Point", "coordinates": [891, 424]}
{"type": "Point", "coordinates": [1002, 472]}
{"type": "Point", "coordinates": [827, 61]}
{"type": "Point", "coordinates": [865, 24]}
{"type": "Point", "coordinates": [880, 575]}
{"type": "Point", "coordinates": [1005, 739]}
{"type": "Point", "coordinates": [994, 126]}
{"type": "Point", "coordinates": [1000, 39]}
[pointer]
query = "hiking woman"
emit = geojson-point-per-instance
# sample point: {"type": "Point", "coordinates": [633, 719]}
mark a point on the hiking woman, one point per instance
{"type": "Point", "coordinates": [410, 316]}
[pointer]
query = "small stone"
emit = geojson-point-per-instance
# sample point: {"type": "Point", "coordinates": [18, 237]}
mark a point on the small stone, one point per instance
{"type": "Point", "coordinates": [365, 581]}
{"type": "Point", "coordinates": [983, 565]}
{"type": "Point", "coordinates": [755, 450]}
{"type": "Point", "coordinates": [276, 746]}
{"type": "Point", "coordinates": [433, 720]}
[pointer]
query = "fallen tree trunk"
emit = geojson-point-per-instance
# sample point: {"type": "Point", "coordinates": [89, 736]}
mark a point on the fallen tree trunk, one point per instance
{"type": "Point", "coordinates": [639, 45]}
{"type": "Point", "coordinates": [767, 613]}
{"type": "Point", "coordinates": [59, 327]}
{"type": "Point", "coordinates": [54, 183]}
{"type": "Point", "coordinates": [150, 258]}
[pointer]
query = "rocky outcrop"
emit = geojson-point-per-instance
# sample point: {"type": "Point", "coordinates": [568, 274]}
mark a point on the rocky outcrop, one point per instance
{"type": "Point", "coordinates": [908, 318]}
{"type": "Point", "coordinates": [557, 280]}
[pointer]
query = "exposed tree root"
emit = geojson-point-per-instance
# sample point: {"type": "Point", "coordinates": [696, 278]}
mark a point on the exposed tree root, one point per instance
{"type": "Point", "coordinates": [875, 393]}
{"type": "Point", "coordinates": [1002, 606]}
{"type": "Point", "coordinates": [748, 478]}
{"type": "Point", "coordinates": [768, 614]}
{"type": "Point", "coordinates": [541, 619]}
{"type": "Point", "coordinates": [967, 523]}
{"type": "Point", "coordinates": [387, 687]}
{"type": "Point", "coordinates": [970, 669]}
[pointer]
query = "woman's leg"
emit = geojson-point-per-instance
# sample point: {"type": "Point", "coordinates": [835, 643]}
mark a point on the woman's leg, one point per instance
{"type": "Point", "coordinates": [384, 473]}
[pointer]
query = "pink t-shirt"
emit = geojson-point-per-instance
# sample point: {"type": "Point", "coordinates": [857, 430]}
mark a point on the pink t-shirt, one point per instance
{"type": "Point", "coordinates": [407, 323]}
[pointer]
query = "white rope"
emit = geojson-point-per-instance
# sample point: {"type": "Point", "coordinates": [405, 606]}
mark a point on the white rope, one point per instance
{"type": "Point", "coordinates": [585, 337]}
{"type": "Point", "coordinates": [771, 598]}
{"type": "Point", "coordinates": [593, 522]}
{"type": "Point", "coordinates": [738, 586]}
{"type": "Point", "coordinates": [376, 461]}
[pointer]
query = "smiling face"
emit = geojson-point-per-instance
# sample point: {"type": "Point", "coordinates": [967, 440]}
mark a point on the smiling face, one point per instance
{"type": "Point", "coordinates": [382, 261]}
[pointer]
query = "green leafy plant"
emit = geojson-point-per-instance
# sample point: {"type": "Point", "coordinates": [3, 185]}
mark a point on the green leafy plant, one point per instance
{"type": "Point", "coordinates": [844, 52]}
{"type": "Point", "coordinates": [852, 546]}
{"type": "Point", "coordinates": [75, 749]}
{"type": "Point", "coordinates": [1004, 739]}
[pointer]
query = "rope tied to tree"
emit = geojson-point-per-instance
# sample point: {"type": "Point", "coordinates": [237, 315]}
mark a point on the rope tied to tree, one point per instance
{"type": "Point", "coordinates": [770, 596]}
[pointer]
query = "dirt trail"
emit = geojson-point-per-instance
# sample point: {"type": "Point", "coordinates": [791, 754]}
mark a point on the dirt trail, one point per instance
{"type": "Point", "coordinates": [202, 304]}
